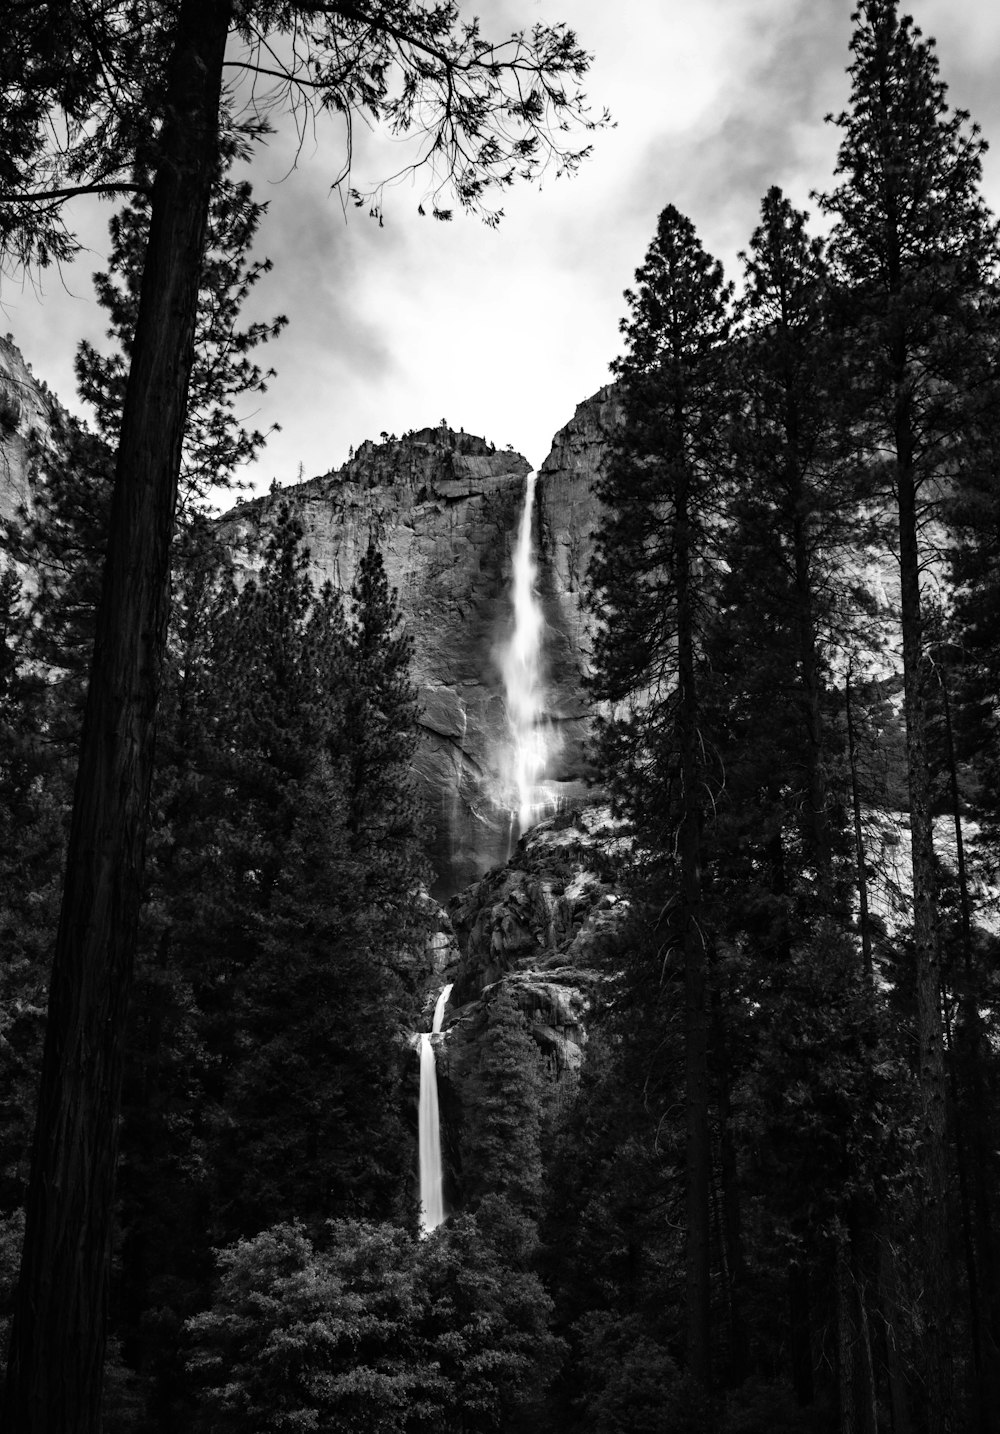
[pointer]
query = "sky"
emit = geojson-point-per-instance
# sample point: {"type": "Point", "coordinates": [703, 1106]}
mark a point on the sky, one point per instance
{"type": "Point", "coordinates": [504, 331]}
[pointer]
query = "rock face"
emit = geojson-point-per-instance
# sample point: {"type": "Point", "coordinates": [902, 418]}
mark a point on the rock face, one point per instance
{"type": "Point", "coordinates": [27, 412]}
{"type": "Point", "coordinates": [445, 508]}
{"type": "Point", "coordinates": [534, 931]}
{"type": "Point", "coordinates": [568, 512]}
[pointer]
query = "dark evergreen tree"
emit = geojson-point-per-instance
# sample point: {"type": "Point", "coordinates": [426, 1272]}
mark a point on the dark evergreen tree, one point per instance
{"type": "Point", "coordinates": [503, 1110]}
{"type": "Point", "coordinates": [370, 1330]}
{"type": "Point", "coordinates": [793, 516]}
{"type": "Point", "coordinates": [653, 574]}
{"type": "Point", "coordinates": [309, 962]}
{"type": "Point", "coordinates": [119, 90]}
{"type": "Point", "coordinates": [378, 741]}
{"type": "Point", "coordinates": [217, 444]}
{"type": "Point", "coordinates": [913, 249]}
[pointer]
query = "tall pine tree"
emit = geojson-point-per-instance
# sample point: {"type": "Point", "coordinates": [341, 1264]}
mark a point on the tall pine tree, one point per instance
{"type": "Point", "coordinates": [913, 248]}
{"type": "Point", "coordinates": [653, 571]}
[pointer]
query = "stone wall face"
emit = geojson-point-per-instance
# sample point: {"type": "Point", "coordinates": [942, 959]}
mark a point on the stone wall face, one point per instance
{"type": "Point", "coordinates": [566, 520]}
{"type": "Point", "coordinates": [27, 412]}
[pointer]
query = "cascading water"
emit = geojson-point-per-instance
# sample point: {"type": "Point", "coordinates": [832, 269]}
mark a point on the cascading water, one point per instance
{"type": "Point", "coordinates": [531, 735]}
{"type": "Point", "coordinates": [431, 1183]}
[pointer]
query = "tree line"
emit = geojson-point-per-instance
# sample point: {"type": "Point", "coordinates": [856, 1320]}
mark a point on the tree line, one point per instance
{"type": "Point", "coordinates": [833, 1067]}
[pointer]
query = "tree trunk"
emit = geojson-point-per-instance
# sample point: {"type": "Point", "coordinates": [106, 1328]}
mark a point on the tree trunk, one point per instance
{"type": "Point", "coordinates": [731, 1222]}
{"type": "Point", "coordinates": [58, 1335]}
{"type": "Point", "coordinates": [927, 953]}
{"type": "Point", "coordinates": [800, 1333]}
{"type": "Point", "coordinates": [818, 835]}
{"type": "Point", "coordinates": [859, 838]}
{"type": "Point", "coordinates": [972, 1139]}
{"type": "Point", "coordinates": [698, 1148]}
{"type": "Point", "coordinates": [856, 1376]}
{"type": "Point", "coordinates": [888, 1283]}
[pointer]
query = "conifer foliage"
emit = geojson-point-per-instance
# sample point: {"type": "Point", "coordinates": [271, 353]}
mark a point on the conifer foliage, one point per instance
{"type": "Point", "coordinates": [843, 1062]}
{"type": "Point", "coordinates": [914, 249]}
{"type": "Point", "coordinates": [653, 576]}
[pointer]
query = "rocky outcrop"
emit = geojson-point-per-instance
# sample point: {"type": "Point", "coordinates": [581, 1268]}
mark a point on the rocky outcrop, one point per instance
{"type": "Point", "coordinates": [534, 931]}
{"type": "Point", "coordinates": [568, 512]}
{"type": "Point", "coordinates": [27, 414]}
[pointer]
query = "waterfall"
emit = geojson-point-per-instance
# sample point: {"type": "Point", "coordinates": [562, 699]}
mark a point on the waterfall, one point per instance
{"type": "Point", "coordinates": [431, 1185]}
{"type": "Point", "coordinates": [531, 741]}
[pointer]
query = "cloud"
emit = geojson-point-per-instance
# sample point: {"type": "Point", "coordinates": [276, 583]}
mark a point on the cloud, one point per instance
{"type": "Point", "coordinates": [504, 332]}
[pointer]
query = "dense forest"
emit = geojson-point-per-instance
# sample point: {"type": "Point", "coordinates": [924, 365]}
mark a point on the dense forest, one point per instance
{"type": "Point", "coordinates": [768, 1200]}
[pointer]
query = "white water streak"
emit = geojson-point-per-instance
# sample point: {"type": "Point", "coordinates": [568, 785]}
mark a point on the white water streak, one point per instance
{"type": "Point", "coordinates": [431, 1180]}
{"type": "Point", "coordinates": [523, 679]}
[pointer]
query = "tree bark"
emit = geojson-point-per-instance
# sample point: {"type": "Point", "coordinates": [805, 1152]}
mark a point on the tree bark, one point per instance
{"type": "Point", "coordinates": [888, 1284]}
{"type": "Point", "coordinates": [58, 1336]}
{"type": "Point", "coordinates": [859, 838]}
{"type": "Point", "coordinates": [698, 1147]}
{"type": "Point", "coordinates": [926, 938]}
{"type": "Point", "coordinates": [800, 1332]}
{"type": "Point", "coordinates": [732, 1222]}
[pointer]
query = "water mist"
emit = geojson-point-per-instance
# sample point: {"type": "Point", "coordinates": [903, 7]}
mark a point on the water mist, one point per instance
{"type": "Point", "coordinates": [532, 741]}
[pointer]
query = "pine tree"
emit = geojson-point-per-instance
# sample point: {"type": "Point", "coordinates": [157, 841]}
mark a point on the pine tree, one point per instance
{"type": "Point", "coordinates": [663, 496]}
{"type": "Point", "coordinates": [792, 517]}
{"type": "Point", "coordinates": [913, 248]}
{"type": "Point", "coordinates": [141, 89]}
{"type": "Point", "coordinates": [217, 444]}
{"type": "Point", "coordinates": [377, 743]}
{"type": "Point", "coordinates": [304, 948]}
{"type": "Point", "coordinates": [502, 1146]}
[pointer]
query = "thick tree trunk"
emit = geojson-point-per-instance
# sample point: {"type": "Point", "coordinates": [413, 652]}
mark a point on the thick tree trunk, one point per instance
{"type": "Point", "coordinates": [856, 1375]}
{"type": "Point", "coordinates": [732, 1222]}
{"type": "Point", "coordinates": [888, 1285]}
{"type": "Point", "coordinates": [58, 1336]}
{"type": "Point", "coordinates": [926, 942]}
{"type": "Point", "coordinates": [698, 1146]}
{"type": "Point", "coordinates": [800, 1333]}
{"type": "Point", "coordinates": [972, 1139]}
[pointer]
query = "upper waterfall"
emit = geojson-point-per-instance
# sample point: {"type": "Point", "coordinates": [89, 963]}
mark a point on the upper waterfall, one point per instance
{"type": "Point", "coordinates": [531, 734]}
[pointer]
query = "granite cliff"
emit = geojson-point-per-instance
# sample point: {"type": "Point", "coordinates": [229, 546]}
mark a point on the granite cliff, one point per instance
{"type": "Point", "coordinates": [27, 414]}
{"type": "Point", "coordinates": [445, 508]}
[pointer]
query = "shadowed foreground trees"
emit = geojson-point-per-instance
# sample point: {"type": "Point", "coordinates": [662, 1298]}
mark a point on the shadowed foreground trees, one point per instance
{"type": "Point", "coordinates": [369, 1330]}
{"type": "Point", "coordinates": [913, 247]}
{"type": "Point", "coordinates": [652, 574]}
{"type": "Point", "coordinates": [94, 98]}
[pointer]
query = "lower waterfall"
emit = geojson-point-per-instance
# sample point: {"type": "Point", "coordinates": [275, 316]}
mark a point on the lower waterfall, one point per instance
{"type": "Point", "coordinates": [431, 1182]}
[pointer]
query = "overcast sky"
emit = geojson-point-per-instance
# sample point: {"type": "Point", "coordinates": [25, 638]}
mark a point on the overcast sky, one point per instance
{"type": "Point", "coordinates": [504, 331]}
